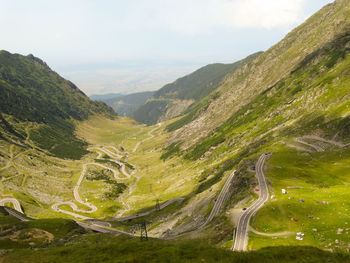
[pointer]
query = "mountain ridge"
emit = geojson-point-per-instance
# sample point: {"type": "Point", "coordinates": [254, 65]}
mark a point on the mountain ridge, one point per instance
{"type": "Point", "coordinates": [174, 98]}
{"type": "Point", "coordinates": [264, 72]}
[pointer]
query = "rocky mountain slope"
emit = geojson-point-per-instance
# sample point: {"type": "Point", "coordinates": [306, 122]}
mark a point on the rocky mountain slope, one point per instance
{"type": "Point", "coordinates": [247, 94]}
{"type": "Point", "coordinates": [174, 98]}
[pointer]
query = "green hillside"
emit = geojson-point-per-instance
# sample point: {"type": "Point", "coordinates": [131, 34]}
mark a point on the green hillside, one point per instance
{"type": "Point", "coordinates": [32, 93]}
{"type": "Point", "coordinates": [321, 81]}
{"type": "Point", "coordinates": [184, 91]}
{"type": "Point", "coordinates": [303, 69]}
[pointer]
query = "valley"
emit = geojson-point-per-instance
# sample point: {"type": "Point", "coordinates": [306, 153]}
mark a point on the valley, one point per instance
{"type": "Point", "coordinates": [239, 162]}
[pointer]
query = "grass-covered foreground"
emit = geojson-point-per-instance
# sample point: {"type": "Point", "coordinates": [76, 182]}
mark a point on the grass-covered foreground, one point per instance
{"type": "Point", "coordinates": [62, 240]}
{"type": "Point", "coordinates": [106, 248]}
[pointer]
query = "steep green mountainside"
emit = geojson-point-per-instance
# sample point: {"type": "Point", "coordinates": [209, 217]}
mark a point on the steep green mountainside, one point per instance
{"type": "Point", "coordinates": [272, 74]}
{"type": "Point", "coordinates": [314, 98]}
{"type": "Point", "coordinates": [174, 98]}
{"type": "Point", "coordinates": [32, 94]}
{"type": "Point", "coordinates": [126, 105]}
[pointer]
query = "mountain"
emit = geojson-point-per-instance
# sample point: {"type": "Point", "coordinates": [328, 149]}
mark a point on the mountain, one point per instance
{"type": "Point", "coordinates": [289, 83]}
{"type": "Point", "coordinates": [125, 105]}
{"type": "Point", "coordinates": [103, 97]}
{"type": "Point", "coordinates": [174, 98]}
{"type": "Point", "coordinates": [32, 93]}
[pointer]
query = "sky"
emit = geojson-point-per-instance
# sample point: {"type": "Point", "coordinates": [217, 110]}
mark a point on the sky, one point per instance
{"type": "Point", "coordinates": [128, 46]}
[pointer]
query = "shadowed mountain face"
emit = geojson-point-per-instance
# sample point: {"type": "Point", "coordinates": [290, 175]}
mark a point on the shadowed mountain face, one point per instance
{"type": "Point", "coordinates": [174, 98]}
{"type": "Point", "coordinates": [31, 92]}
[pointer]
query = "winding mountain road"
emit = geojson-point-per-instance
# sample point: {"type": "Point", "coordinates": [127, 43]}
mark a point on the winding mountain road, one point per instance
{"type": "Point", "coordinates": [76, 194]}
{"type": "Point", "coordinates": [241, 238]}
{"type": "Point", "coordinates": [115, 157]}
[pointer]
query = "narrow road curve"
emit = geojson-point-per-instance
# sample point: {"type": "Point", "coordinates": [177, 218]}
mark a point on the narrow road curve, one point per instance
{"type": "Point", "coordinates": [241, 238]}
{"type": "Point", "coordinates": [95, 226]}
{"type": "Point", "coordinates": [13, 201]}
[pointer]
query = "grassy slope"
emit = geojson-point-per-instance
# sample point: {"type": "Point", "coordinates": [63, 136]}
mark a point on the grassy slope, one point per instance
{"type": "Point", "coordinates": [321, 82]}
{"type": "Point", "coordinates": [60, 240]}
{"type": "Point", "coordinates": [106, 248]}
{"type": "Point", "coordinates": [16, 234]}
{"type": "Point", "coordinates": [321, 180]}
{"type": "Point", "coordinates": [264, 73]}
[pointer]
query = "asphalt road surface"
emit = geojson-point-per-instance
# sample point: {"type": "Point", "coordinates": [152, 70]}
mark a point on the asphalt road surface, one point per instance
{"type": "Point", "coordinates": [241, 238]}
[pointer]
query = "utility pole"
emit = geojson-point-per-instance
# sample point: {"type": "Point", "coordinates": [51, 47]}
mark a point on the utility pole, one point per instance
{"type": "Point", "coordinates": [143, 231]}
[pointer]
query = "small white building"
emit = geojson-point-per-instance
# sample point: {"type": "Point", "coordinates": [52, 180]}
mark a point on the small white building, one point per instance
{"type": "Point", "coordinates": [284, 191]}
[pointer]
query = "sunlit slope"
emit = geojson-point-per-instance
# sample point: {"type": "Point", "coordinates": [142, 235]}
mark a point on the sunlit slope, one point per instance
{"type": "Point", "coordinates": [287, 65]}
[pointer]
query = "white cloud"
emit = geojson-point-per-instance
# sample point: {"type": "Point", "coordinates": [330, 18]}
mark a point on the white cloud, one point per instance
{"type": "Point", "coordinates": [198, 16]}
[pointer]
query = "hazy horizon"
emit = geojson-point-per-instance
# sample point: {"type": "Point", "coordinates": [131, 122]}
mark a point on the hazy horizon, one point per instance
{"type": "Point", "coordinates": [124, 47]}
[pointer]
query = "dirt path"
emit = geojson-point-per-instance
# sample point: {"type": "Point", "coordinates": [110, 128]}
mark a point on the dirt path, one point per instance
{"type": "Point", "coordinates": [316, 138]}
{"type": "Point", "coordinates": [279, 234]}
